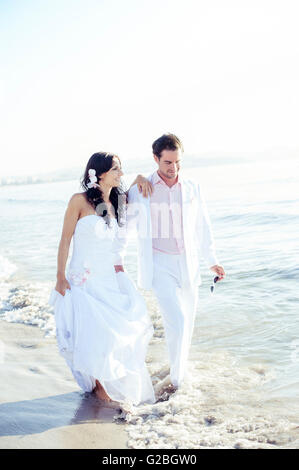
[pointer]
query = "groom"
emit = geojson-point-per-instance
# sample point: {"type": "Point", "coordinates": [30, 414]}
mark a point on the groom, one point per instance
{"type": "Point", "coordinates": [174, 231]}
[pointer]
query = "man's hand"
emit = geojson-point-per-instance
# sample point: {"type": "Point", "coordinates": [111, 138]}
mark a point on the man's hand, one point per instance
{"type": "Point", "coordinates": [144, 186]}
{"type": "Point", "coordinates": [219, 271]}
{"type": "Point", "coordinates": [119, 268]}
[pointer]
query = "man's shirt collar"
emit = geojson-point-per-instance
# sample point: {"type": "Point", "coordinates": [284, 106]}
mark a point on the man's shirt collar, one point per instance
{"type": "Point", "coordinates": [157, 179]}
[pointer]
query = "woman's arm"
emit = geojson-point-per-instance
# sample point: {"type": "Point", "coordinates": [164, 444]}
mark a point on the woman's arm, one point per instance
{"type": "Point", "coordinates": [70, 219]}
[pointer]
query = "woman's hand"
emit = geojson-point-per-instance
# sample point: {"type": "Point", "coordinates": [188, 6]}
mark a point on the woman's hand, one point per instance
{"type": "Point", "coordinates": [144, 186]}
{"type": "Point", "coordinates": [61, 285]}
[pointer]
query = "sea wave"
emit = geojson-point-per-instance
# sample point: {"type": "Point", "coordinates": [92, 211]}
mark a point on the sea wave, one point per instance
{"type": "Point", "coordinates": [257, 218]}
{"type": "Point", "coordinates": [7, 268]}
{"type": "Point", "coordinates": [27, 303]}
{"type": "Point", "coordinates": [35, 201]}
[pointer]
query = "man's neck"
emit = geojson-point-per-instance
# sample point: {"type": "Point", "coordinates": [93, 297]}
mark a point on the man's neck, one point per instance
{"type": "Point", "coordinates": [168, 181]}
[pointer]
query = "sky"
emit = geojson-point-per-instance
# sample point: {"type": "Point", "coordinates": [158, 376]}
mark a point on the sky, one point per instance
{"type": "Point", "coordinates": [80, 76]}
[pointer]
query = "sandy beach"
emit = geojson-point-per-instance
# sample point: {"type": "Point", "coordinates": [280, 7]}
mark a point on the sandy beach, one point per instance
{"type": "Point", "coordinates": [41, 406]}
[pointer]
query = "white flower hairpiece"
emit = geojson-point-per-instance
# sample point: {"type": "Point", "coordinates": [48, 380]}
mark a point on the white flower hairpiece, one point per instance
{"type": "Point", "coordinates": [92, 179]}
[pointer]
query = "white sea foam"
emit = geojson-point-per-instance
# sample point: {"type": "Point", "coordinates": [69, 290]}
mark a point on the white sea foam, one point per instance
{"type": "Point", "coordinates": [219, 406]}
{"type": "Point", "coordinates": [25, 302]}
{"type": "Point", "coordinates": [7, 268]}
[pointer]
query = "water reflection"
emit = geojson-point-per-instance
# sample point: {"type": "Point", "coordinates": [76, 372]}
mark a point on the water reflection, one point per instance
{"type": "Point", "coordinates": [90, 409]}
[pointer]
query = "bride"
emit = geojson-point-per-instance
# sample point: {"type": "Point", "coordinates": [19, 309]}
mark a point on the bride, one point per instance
{"type": "Point", "coordinates": [102, 325]}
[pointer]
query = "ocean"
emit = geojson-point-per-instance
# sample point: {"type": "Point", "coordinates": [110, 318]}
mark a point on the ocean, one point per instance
{"type": "Point", "coordinates": [242, 387]}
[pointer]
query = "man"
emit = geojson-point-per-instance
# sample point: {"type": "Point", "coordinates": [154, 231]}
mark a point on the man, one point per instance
{"type": "Point", "coordinates": [174, 230]}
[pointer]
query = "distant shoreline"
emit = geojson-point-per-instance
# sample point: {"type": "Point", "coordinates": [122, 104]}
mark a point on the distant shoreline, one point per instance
{"type": "Point", "coordinates": [129, 166]}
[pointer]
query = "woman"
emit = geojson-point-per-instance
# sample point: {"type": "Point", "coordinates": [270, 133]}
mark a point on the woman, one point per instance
{"type": "Point", "coordinates": [102, 325]}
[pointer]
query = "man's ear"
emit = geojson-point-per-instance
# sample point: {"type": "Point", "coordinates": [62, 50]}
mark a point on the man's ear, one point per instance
{"type": "Point", "coordinates": [156, 158]}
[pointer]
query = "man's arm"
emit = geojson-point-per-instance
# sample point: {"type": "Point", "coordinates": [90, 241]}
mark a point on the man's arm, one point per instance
{"type": "Point", "coordinates": [204, 232]}
{"type": "Point", "coordinates": [143, 184]}
{"type": "Point", "coordinates": [206, 238]}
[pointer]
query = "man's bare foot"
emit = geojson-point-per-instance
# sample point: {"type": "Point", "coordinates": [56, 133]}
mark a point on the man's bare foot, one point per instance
{"type": "Point", "coordinates": [171, 388]}
{"type": "Point", "coordinates": [100, 393]}
{"type": "Point", "coordinates": [165, 385]}
{"type": "Point", "coordinates": [166, 392]}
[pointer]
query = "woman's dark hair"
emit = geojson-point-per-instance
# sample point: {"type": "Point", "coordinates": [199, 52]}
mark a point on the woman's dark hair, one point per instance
{"type": "Point", "coordinates": [166, 142]}
{"type": "Point", "coordinates": [102, 162]}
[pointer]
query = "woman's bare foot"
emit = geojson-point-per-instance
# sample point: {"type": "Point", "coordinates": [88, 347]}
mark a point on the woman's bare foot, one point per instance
{"type": "Point", "coordinates": [100, 393]}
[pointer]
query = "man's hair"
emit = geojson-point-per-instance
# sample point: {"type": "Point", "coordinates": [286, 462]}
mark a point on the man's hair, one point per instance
{"type": "Point", "coordinates": [166, 142]}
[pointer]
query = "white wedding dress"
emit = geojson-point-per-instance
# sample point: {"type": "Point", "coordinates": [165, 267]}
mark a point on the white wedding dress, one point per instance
{"type": "Point", "coordinates": [102, 325]}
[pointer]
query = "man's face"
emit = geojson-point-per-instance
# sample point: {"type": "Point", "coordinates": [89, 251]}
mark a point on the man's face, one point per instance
{"type": "Point", "coordinates": [169, 163]}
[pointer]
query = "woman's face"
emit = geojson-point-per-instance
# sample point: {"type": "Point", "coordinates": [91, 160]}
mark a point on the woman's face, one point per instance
{"type": "Point", "coordinates": [112, 177]}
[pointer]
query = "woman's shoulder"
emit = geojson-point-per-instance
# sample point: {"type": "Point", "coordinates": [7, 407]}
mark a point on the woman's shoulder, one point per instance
{"type": "Point", "coordinates": [77, 202]}
{"type": "Point", "coordinates": [78, 199]}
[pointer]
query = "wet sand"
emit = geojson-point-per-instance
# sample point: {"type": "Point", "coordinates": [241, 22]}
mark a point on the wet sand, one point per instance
{"type": "Point", "coordinates": [41, 406]}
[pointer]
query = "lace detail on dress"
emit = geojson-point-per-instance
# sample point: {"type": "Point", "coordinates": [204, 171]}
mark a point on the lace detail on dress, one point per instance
{"type": "Point", "coordinates": [78, 278]}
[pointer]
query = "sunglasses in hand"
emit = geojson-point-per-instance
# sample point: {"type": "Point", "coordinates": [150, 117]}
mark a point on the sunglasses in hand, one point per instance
{"type": "Point", "coordinates": [214, 282]}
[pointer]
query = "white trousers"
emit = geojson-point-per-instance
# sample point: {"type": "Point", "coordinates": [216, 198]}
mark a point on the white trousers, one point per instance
{"type": "Point", "coordinates": [177, 299]}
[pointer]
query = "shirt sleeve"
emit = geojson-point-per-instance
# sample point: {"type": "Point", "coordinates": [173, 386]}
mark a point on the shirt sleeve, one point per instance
{"type": "Point", "coordinates": [204, 232]}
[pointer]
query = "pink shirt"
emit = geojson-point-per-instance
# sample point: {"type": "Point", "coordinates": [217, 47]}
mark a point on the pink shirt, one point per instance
{"type": "Point", "coordinates": [166, 216]}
